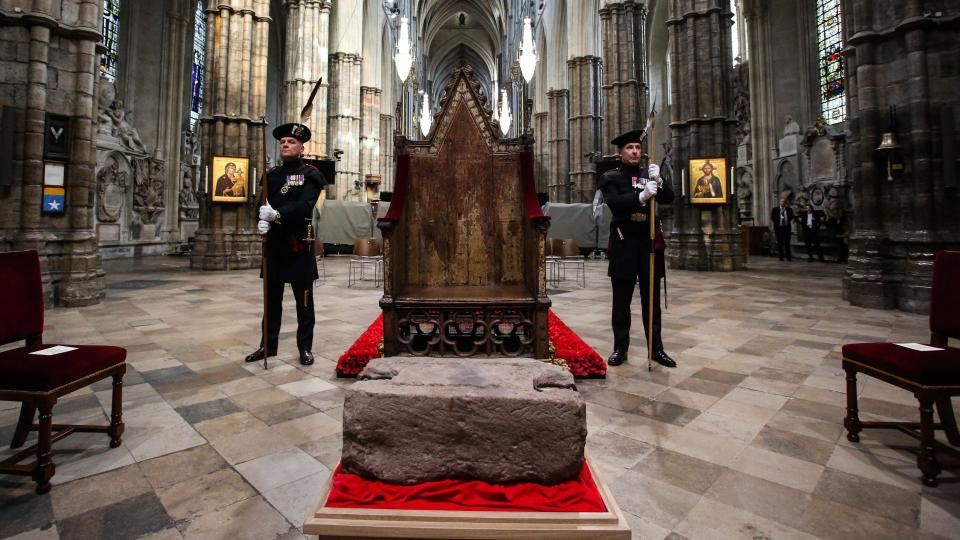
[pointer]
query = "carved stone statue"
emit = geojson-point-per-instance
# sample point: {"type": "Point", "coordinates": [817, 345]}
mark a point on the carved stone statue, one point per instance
{"type": "Point", "coordinates": [791, 126]}
{"type": "Point", "coordinates": [189, 207]}
{"type": "Point", "coordinates": [666, 163]}
{"type": "Point", "coordinates": [190, 147]}
{"type": "Point", "coordinates": [114, 121]}
{"type": "Point", "coordinates": [125, 131]}
{"type": "Point", "coordinates": [745, 194]}
{"type": "Point", "coordinates": [741, 103]}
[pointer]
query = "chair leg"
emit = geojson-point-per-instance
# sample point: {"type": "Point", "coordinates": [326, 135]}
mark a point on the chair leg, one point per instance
{"type": "Point", "coordinates": [927, 460]}
{"type": "Point", "coordinates": [948, 420]}
{"type": "Point", "coordinates": [116, 412]}
{"type": "Point", "coordinates": [852, 421]}
{"type": "Point", "coordinates": [27, 412]}
{"type": "Point", "coordinates": [44, 469]}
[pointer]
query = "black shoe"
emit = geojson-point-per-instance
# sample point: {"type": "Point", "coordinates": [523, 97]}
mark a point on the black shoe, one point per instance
{"type": "Point", "coordinates": [257, 355]}
{"type": "Point", "coordinates": [663, 359]}
{"type": "Point", "coordinates": [617, 358]}
{"type": "Point", "coordinates": [306, 358]}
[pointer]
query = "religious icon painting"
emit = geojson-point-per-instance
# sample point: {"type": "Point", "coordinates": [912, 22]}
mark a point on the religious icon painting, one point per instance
{"type": "Point", "coordinates": [708, 180]}
{"type": "Point", "coordinates": [230, 179]}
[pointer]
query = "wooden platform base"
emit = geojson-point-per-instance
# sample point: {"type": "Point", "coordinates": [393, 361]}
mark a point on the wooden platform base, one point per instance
{"type": "Point", "coordinates": [358, 523]}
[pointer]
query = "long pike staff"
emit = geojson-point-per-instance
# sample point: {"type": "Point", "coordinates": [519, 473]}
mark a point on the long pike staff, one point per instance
{"type": "Point", "coordinates": [263, 257]}
{"type": "Point", "coordinates": [653, 236]}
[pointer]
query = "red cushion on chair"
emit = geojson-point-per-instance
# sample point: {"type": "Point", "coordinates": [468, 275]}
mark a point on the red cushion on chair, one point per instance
{"type": "Point", "coordinates": [20, 370]}
{"type": "Point", "coordinates": [931, 368]}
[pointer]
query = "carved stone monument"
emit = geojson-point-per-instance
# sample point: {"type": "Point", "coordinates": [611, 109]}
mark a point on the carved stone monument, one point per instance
{"type": "Point", "coordinates": [130, 203]}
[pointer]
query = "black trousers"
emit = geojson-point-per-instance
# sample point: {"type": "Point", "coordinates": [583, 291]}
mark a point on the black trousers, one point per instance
{"type": "Point", "coordinates": [812, 238]}
{"type": "Point", "coordinates": [303, 296]}
{"type": "Point", "coordinates": [783, 242]}
{"type": "Point", "coordinates": [622, 296]}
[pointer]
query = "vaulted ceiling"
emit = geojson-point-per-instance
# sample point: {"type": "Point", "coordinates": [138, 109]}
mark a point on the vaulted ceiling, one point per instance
{"type": "Point", "coordinates": [458, 32]}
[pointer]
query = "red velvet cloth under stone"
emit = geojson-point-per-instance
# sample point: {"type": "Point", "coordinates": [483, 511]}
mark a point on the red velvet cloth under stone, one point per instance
{"type": "Point", "coordinates": [577, 495]}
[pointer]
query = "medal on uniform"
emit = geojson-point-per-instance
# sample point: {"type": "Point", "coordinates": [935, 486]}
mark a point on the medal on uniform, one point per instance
{"type": "Point", "coordinates": [633, 180]}
{"type": "Point", "coordinates": [292, 180]}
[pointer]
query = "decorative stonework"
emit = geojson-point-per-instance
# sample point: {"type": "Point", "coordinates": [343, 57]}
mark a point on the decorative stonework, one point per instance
{"type": "Point", "coordinates": [112, 185]}
{"type": "Point", "coordinates": [148, 197]}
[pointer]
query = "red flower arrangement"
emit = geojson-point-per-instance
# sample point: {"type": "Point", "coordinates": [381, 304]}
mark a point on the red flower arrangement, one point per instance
{"type": "Point", "coordinates": [583, 361]}
{"type": "Point", "coordinates": [365, 348]}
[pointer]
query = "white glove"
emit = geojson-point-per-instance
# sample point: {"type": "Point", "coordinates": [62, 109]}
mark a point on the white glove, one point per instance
{"type": "Point", "coordinates": [267, 213]}
{"type": "Point", "coordinates": [653, 171]}
{"type": "Point", "coordinates": [263, 226]}
{"type": "Point", "coordinates": [649, 190]}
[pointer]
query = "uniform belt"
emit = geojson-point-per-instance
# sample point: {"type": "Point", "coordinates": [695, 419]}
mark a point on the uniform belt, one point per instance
{"type": "Point", "coordinates": [638, 217]}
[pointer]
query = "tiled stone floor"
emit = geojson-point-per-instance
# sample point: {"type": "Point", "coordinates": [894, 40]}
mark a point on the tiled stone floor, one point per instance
{"type": "Point", "coordinates": [742, 440]}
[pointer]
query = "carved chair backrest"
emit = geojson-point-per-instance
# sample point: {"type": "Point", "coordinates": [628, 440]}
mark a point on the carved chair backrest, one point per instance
{"type": "Point", "coordinates": [463, 221]}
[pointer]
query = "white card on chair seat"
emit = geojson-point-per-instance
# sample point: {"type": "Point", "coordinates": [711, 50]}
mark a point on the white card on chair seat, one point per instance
{"type": "Point", "coordinates": [919, 347]}
{"type": "Point", "coordinates": [56, 349]}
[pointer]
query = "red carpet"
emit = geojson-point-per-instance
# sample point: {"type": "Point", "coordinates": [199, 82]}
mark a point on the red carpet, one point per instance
{"type": "Point", "coordinates": [584, 362]}
{"type": "Point", "coordinates": [577, 495]}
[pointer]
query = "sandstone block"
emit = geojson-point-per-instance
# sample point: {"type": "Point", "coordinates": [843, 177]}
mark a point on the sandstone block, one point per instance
{"type": "Point", "coordinates": [411, 420]}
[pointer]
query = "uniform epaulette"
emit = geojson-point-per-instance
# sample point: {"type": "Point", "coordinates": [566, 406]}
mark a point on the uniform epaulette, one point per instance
{"type": "Point", "coordinates": [312, 167]}
{"type": "Point", "coordinates": [271, 169]}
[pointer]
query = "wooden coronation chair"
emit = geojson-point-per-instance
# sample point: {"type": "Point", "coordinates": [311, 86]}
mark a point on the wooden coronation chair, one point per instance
{"type": "Point", "coordinates": [38, 381]}
{"type": "Point", "coordinates": [464, 238]}
{"type": "Point", "coordinates": [933, 376]}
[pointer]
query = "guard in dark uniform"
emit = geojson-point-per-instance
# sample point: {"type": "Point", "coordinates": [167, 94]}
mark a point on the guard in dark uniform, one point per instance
{"type": "Point", "coordinates": [293, 188]}
{"type": "Point", "coordinates": [626, 191]}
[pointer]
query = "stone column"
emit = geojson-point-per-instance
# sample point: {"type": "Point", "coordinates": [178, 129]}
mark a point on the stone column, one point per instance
{"type": "Point", "coordinates": [386, 152]}
{"type": "Point", "coordinates": [541, 133]}
{"type": "Point", "coordinates": [624, 70]}
{"type": "Point", "coordinates": [344, 123]}
{"type": "Point", "coordinates": [173, 79]}
{"type": "Point", "coordinates": [54, 73]}
{"type": "Point", "coordinates": [370, 137]}
{"type": "Point", "coordinates": [559, 146]}
{"type": "Point", "coordinates": [899, 225]}
{"type": "Point", "coordinates": [763, 124]}
{"type": "Point", "coordinates": [702, 124]}
{"type": "Point", "coordinates": [585, 125]}
{"type": "Point", "coordinates": [233, 125]}
{"type": "Point", "coordinates": [306, 56]}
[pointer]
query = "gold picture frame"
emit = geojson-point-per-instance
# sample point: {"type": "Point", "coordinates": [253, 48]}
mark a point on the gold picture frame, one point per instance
{"type": "Point", "coordinates": [708, 186]}
{"type": "Point", "coordinates": [230, 179]}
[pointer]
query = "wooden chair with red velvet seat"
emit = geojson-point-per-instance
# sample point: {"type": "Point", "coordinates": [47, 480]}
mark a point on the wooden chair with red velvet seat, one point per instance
{"type": "Point", "coordinates": [932, 376]}
{"type": "Point", "coordinates": [38, 381]}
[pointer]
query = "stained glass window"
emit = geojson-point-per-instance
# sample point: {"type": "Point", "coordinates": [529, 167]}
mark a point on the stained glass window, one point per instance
{"type": "Point", "coordinates": [829, 44]}
{"type": "Point", "coordinates": [199, 52]}
{"type": "Point", "coordinates": [110, 39]}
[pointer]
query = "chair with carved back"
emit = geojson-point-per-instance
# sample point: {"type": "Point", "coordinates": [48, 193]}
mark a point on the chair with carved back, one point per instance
{"type": "Point", "coordinates": [464, 238]}
{"type": "Point", "coordinates": [932, 375]}
{"type": "Point", "coordinates": [37, 381]}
